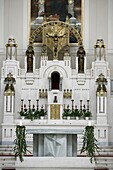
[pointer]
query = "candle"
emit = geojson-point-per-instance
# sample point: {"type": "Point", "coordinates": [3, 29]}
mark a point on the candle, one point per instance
{"type": "Point", "coordinates": [72, 92]}
{"type": "Point", "coordinates": [88, 95]}
{"type": "Point", "coordinates": [20, 123]}
{"type": "Point", "coordinates": [89, 123]}
{"type": "Point", "coordinates": [81, 95]}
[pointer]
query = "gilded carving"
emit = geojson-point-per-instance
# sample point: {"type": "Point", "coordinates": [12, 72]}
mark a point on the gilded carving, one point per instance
{"type": "Point", "coordinates": [9, 88]}
{"type": "Point", "coordinates": [101, 89]}
{"type": "Point", "coordinates": [59, 27]}
{"type": "Point", "coordinates": [55, 111]}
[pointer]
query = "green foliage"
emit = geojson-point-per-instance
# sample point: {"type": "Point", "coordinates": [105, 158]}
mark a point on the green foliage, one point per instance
{"type": "Point", "coordinates": [42, 112]}
{"type": "Point", "coordinates": [33, 114]}
{"type": "Point", "coordinates": [89, 143]}
{"type": "Point", "coordinates": [22, 113]}
{"type": "Point", "coordinates": [67, 112]}
{"type": "Point", "coordinates": [76, 113]}
{"type": "Point", "coordinates": [20, 142]}
{"type": "Point", "coordinates": [36, 114]}
{"type": "Point", "coordinates": [87, 114]}
{"type": "Point", "coordinates": [30, 114]}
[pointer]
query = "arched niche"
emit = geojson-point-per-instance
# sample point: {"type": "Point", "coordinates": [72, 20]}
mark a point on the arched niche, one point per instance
{"type": "Point", "coordinates": [55, 80]}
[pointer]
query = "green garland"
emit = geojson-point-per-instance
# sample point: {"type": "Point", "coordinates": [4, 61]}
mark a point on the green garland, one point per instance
{"type": "Point", "coordinates": [20, 142]}
{"type": "Point", "coordinates": [89, 143]}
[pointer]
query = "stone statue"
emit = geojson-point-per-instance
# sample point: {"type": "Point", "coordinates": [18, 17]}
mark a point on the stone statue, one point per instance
{"type": "Point", "coordinates": [29, 54]}
{"type": "Point", "coordinates": [81, 53]}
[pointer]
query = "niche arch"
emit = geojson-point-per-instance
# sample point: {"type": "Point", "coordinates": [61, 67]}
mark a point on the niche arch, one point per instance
{"type": "Point", "coordinates": [55, 80]}
{"type": "Point", "coordinates": [71, 29]}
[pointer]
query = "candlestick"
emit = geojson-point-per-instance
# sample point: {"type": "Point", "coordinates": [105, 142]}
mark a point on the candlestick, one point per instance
{"type": "Point", "coordinates": [37, 100]}
{"type": "Point", "coordinates": [29, 103]}
{"type": "Point", "coordinates": [22, 100]}
{"type": "Point", "coordinates": [80, 104]}
{"type": "Point", "coordinates": [72, 94]}
{"type": "Point", "coordinates": [87, 105]}
{"type": "Point", "coordinates": [72, 104]}
{"type": "Point", "coordinates": [64, 106]}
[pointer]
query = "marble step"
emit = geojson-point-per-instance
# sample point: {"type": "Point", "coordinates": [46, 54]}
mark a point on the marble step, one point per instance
{"type": "Point", "coordinates": [106, 151]}
{"type": "Point", "coordinates": [104, 162]}
{"type": "Point", "coordinates": [8, 161]}
{"type": "Point", "coordinates": [9, 150]}
{"type": "Point", "coordinates": [6, 150]}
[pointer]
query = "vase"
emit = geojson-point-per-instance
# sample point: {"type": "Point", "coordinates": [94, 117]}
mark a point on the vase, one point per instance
{"type": "Point", "coordinates": [77, 118]}
{"type": "Point", "coordinates": [87, 118]}
{"type": "Point", "coordinates": [68, 117]}
{"type": "Point", "coordinates": [41, 117]}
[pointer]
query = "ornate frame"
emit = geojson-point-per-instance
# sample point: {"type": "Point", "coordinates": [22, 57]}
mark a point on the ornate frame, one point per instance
{"type": "Point", "coordinates": [30, 17]}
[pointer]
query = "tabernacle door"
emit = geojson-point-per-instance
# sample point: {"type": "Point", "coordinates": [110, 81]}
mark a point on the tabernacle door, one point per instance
{"type": "Point", "coordinates": [54, 111]}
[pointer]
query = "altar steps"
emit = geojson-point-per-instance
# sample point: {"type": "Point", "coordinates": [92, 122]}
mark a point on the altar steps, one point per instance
{"type": "Point", "coordinates": [7, 161]}
{"type": "Point", "coordinates": [106, 150]}
{"type": "Point", "coordinates": [103, 160]}
{"type": "Point", "coordinates": [6, 150]}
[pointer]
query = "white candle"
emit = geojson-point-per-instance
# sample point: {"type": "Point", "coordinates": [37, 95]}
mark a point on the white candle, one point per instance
{"type": "Point", "coordinates": [89, 123]}
{"type": "Point", "coordinates": [72, 95]}
{"type": "Point", "coordinates": [81, 95]}
{"type": "Point", "coordinates": [88, 95]}
{"type": "Point", "coordinates": [20, 123]}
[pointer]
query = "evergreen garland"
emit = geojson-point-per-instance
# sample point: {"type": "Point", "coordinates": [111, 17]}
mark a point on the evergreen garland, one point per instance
{"type": "Point", "coordinates": [20, 142]}
{"type": "Point", "coordinates": [89, 143]}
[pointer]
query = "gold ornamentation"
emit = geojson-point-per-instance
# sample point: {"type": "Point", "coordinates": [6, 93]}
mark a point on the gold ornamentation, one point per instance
{"type": "Point", "coordinates": [11, 49]}
{"type": "Point", "coordinates": [9, 88]}
{"type": "Point", "coordinates": [55, 111]}
{"type": "Point", "coordinates": [67, 93]}
{"type": "Point", "coordinates": [43, 93]}
{"type": "Point", "coordinates": [56, 26]}
{"type": "Point", "coordinates": [100, 49]}
{"type": "Point", "coordinates": [101, 89]}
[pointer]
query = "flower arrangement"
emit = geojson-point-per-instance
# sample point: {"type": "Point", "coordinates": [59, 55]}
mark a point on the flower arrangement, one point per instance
{"type": "Point", "coordinates": [76, 113]}
{"type": "Point", "coordinates": [32, 113]}
{"type": "Point", "coordinates": [67, 112]}
{"type": "Point", "coordinates": [20, 147]}
{"type": "Point", "coordinates": [89, 143]}
{"type": "Point", "coordinates": [87, 113]}
{"type": "Point", "coordinates": [42, 112]}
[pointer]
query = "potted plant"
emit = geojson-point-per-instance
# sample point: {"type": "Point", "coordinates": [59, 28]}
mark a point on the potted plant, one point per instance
{"type": "Point", "coordinates": [42, 113]}
{"type": "Point", "coordinates": [36, 114]}
{"type": "Point", "coordinates": [67, 113]}
{"type": "Point", "coordinates": [87, 114]}
{"type": "Point", "coordinates": [76, 114]}
{"type": "Point", "coordinates": [30, 114]}
{"type": "Point", "coordinates": [22, 114]}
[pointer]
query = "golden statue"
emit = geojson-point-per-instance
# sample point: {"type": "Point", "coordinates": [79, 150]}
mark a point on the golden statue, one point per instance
{"type": "Point", "coordinates": [55, 37]}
